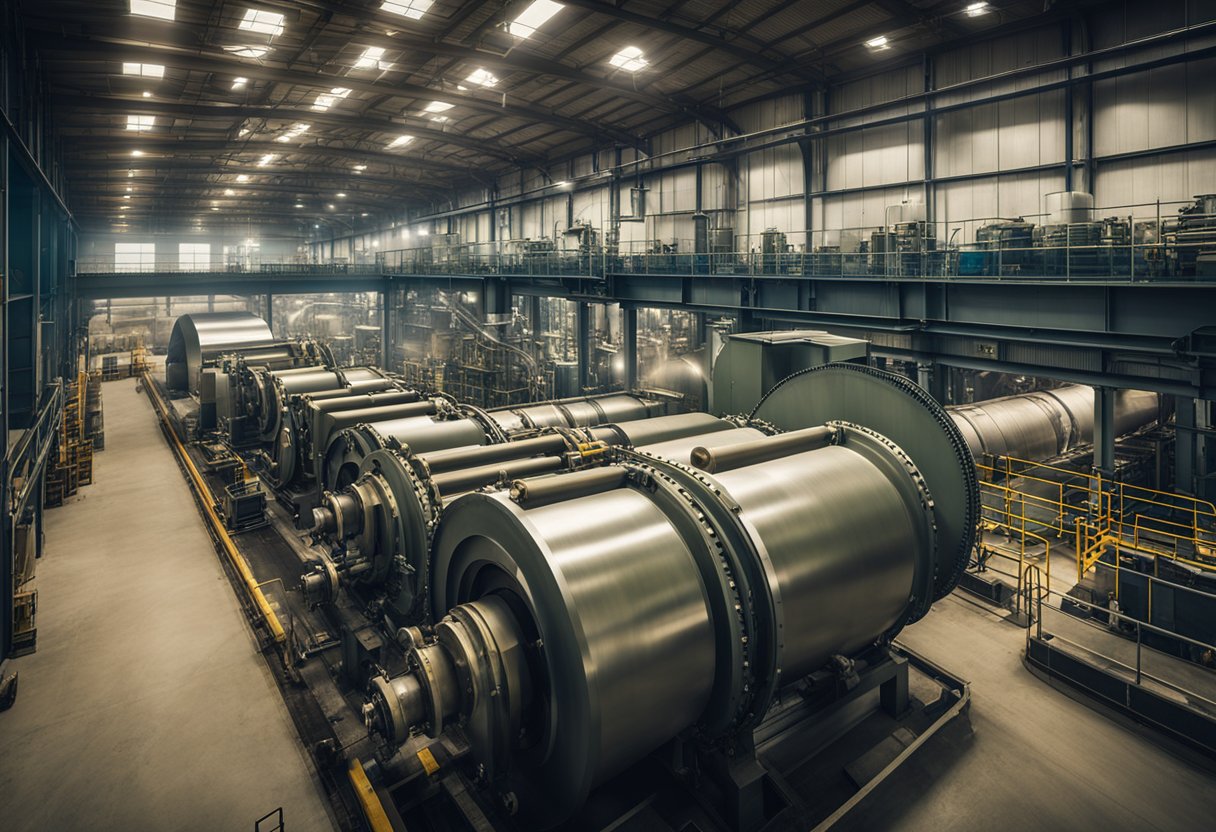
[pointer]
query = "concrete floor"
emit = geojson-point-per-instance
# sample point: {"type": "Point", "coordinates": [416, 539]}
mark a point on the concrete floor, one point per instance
{"type": "Point", "coordinates": [1034, 759]}
{"type": "Point", "coordinates": [147, 705]}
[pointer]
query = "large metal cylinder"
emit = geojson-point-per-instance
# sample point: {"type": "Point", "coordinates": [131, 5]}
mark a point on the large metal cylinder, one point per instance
{"type": "Point", "coordinates": [199, 338]}
{"type": "Point", "coordinates": [667, 599]}
{"type": "Point", "coordinates": [1046, 424]}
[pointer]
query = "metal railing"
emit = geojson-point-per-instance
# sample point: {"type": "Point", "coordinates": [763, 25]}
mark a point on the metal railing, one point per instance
{"type": "Point", "coordinates": [1122, 627]}
{"type": "Point", "coordinates": [154, 265]}
{"type": "Point", "coordinates": [27, 459]}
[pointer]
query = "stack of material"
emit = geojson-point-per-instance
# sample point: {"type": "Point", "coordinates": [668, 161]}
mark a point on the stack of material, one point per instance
{"type": "Point", "coordinates": [72, 467]}
{"type": "Point", "coordinates": [94, 424]}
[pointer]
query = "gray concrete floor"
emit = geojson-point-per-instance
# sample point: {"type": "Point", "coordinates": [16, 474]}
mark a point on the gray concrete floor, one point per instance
{"type": "Point", "coordinates": [1035, 758]}
{"type": "Point", "coordinates": [147, 705]}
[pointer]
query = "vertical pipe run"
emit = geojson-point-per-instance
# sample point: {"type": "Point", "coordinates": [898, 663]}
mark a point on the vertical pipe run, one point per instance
{"type": "Point", "coordinates": [1104, 430]}
{"type": "Point", "coordinates": [583, 334]}
{"type": "Point", "coordinates": [629, 346]}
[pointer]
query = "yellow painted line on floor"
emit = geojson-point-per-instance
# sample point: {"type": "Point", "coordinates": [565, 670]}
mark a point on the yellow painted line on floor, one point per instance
{"type": "Point", "coordinates": [373, 810]}
{"type": "Point", "coordinates": [204, 493]}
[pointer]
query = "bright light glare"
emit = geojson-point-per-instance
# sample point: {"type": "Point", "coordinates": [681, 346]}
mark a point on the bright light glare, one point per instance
{"type": "Point", "coordinates": [413, 9]}
{"type": "Point", "coordinates": [242, 177]}
{"type": "Point", "coordinates": [371, 58]}
{"type": "Point", "coordinates": [141, 123]}
{"type": "Point", "coordinates": [400, 141]}
{"type": "Point", "coordinates": [976, 9]}
{"type": "Point", "coordinates": [629, 59]}
{"type": "Point", "coordinates": [164, 9]}
{"type": "Point", "coordinates": [482, 78]}
{"type": "Point", "coordinates": [239, 82]}
{"type": "Point", "coordinates": [533, 17]}
{"type": "Point", "coordinates": [879, 42]}
{"type": "Point", "coordinates": [247, 51]}
{"type": "Point", "coordinates": [258, 20]}
{"type": "Point", "coordinates": [437, 107]}
{"type": "Point", "coordinates": [328, 99]}
{"type": "Point", "coordinates": [267, 159]}
{"type": "Point", "coordinates": [143, 70]}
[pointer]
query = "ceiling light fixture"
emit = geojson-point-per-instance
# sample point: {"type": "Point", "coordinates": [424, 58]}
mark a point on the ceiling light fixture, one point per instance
{"type": "Point", "coordinates": [400, 141]}
{"type": "Point", "coordinates": [413, 9]}
{"type": "Point", "coordinates": [629, 59]}
{"type": "Point", "coordinates": [532, 18]}
{"type": "Point", "coordinates": [299, 205]}
{"type": "Point", "coordinates": [141, 123]}
{"type": "Point", "coordinates": [976, 9]}
{"type": "Point", "coordinates": [143, 70]}
{"type": "Point", "coordinates": [239, 82]}
{"type": "Point", "coordinates": [879, 43]}
{"type": "Point", "coordinates": [244, 177]}
{"type": "Point", "coordinates": [482, 78]}
{"type": "Point", "coordinates": [137, 153]}
{"type": "Point", "coordinates": [437, 107]}
{"type": "Point", "coordinates": [163, 9]}
{"type": "Point", "coordinates": [267, 159]}
{"type": "Point", "coordinates": [229, 192]}
{"type": "Point", "coordinates": [147, 93]}
{"type": "Point", "coordinates": [259, 20]}
{"type": "Point", "coordinates": [360, 168]}
{"type": "Point", "coordinates": [341, 196]}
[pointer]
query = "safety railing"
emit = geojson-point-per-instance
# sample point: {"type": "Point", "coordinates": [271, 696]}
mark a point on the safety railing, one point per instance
{"type": "Point", "coordinates": [27, 458]}
{"type": "Point", "coordinates": [1010, 515]}
{"type": "Point", "coordinates": [153, 265]}
{"type": "Point", "coordinates": [1095, 512]}
{"type": "Point", "coordinates": [1191, 677]}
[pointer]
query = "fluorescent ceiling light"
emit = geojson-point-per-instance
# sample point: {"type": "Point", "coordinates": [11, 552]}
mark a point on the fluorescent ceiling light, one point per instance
{"type": "Point", "coordinates": [147, 93]}
{"type": "Point", "coordinates": [437, 107]}
{"type": "Point", "coordinates": [482, 78]}
{"type": "Point", "coordinates": [533, 17]}
{"type": "Point", "coordinates": [879, 42]}
{"type": "Point", "coordinates": [164, 9]}
{"type": "Point", "coordinates": [629, 59]}
{"type": "Point", "coordinates": [440, 119]}
{"type": "Point", "coordinates": [141, 123]}
{"type": "Point", "coordinates": [341, 196]}
{"type": "Point", "coordinates": [126, 196]}
{"type": "Point", "coordinates": [242, 178]}
{"type": "Point", "coordinates": [258, 20]}
{"type": "Point", "coordinates": [413, 9]}
{"type": "Point", "coordinates": [976, 9]}
{"type": "Point", "coordinates": [371, 58]}
{"type": "Point", "coordinates": [299, 205]}
{"type": "Point", "coordinates": [360, 168]}
{"type": "Point", "coordinates": [229, 192]}
{"type": "Point", "coordinates": [213, 208]}
{"type": "Point", "coordinates": [239, 82]}
{"type": "Point", "coordinates": [328, 99]}
{"type": "Point", "coordinates": [400, 141]}
{"type": "Point", "coordinates": [137, 153]}
{"type": "Point", "coordinates": [247, 51]}
{"type": "Point", "coordinates": [330, 206]}
{"type": "Point", "coordinates": [129, 190]}
{"type": "Point", "coordinates": [143, 70]}
{"type": "Point", "coordinates": [130, 174]}
{"type": "Point", "coordinates": [267, 159]}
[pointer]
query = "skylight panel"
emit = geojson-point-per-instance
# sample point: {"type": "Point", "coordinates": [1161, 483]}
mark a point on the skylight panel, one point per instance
{"type": "Point", "coordinates": [629, 59]}
{"type": "Point", "coordinates": [413, 9]}
{"type": "Point", "coordinates": [437, 107]}
{"type": "Point", "coordinates": [533, 17]}
{"type": "Point", "coordinates": [328, 99]}
{"type": "Point", "coordinates": [247, 51]}
{"type": "Point", "coordinates": [400, 141]}
{"type": "Point", "coordinates": [143, 70]}
{"type": "Point", "coordinates": [266, 160]}
{"type": "Point", "coordinates": [163, 9]}
{"type": "Point", "coordinates": [244, 177]}
{"type": "Point", "coordinates": [294, 132]}
{"type": "Point", "coordinates": [371, 58]}
{"type": "Point", "coordinates": [141, 123]}
{"type": "Point", "coordinates": [482, 78]}
{"type": "Point", "coordinates": [239, 82]}
{"type": "Point", "coordinates": [259, 20]}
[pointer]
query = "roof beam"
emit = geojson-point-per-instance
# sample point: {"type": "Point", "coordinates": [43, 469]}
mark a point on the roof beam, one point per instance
{"type": "Point", "coordinates": [115, 49]}
{"type": "Point", "coordinates": [151, 106]}
{"type": "Point", "coordinates": [726, 41]}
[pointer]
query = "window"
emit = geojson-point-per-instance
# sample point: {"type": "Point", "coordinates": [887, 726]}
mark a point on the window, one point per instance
{"type": "Point", "coordinates": [327, 99]}
{"type": "Point", "coordinates": [134, 257]}
{"type": "Point", "coordinates": [194, 257]}
{"type": "Point", "coordinates": [164, 9]}
{"type": "Point", "coordinates": [371, 58]}
{"type": "Point", "coordinates": [141, 123]}
{"type": "Point", "coordinates": [257, 20]}
{"type": "Point", "coordinates": [143, 70]}
{"type": "Point", "coordinates": [413, 9]}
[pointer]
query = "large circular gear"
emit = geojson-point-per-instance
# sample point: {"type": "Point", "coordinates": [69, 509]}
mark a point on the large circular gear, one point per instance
{"type": "Point", "coordinates": [902, 411]}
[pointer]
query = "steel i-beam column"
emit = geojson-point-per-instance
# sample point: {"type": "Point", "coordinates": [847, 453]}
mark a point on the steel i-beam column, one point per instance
{"type": "Point", "coordinates": [629, 346]}
{"type": "Point", "coordinates": [583, 336]}
{"type": "Point", "coordinates": [1104, 430]}
{"type": "Point", "coordinates": [386, 329]}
